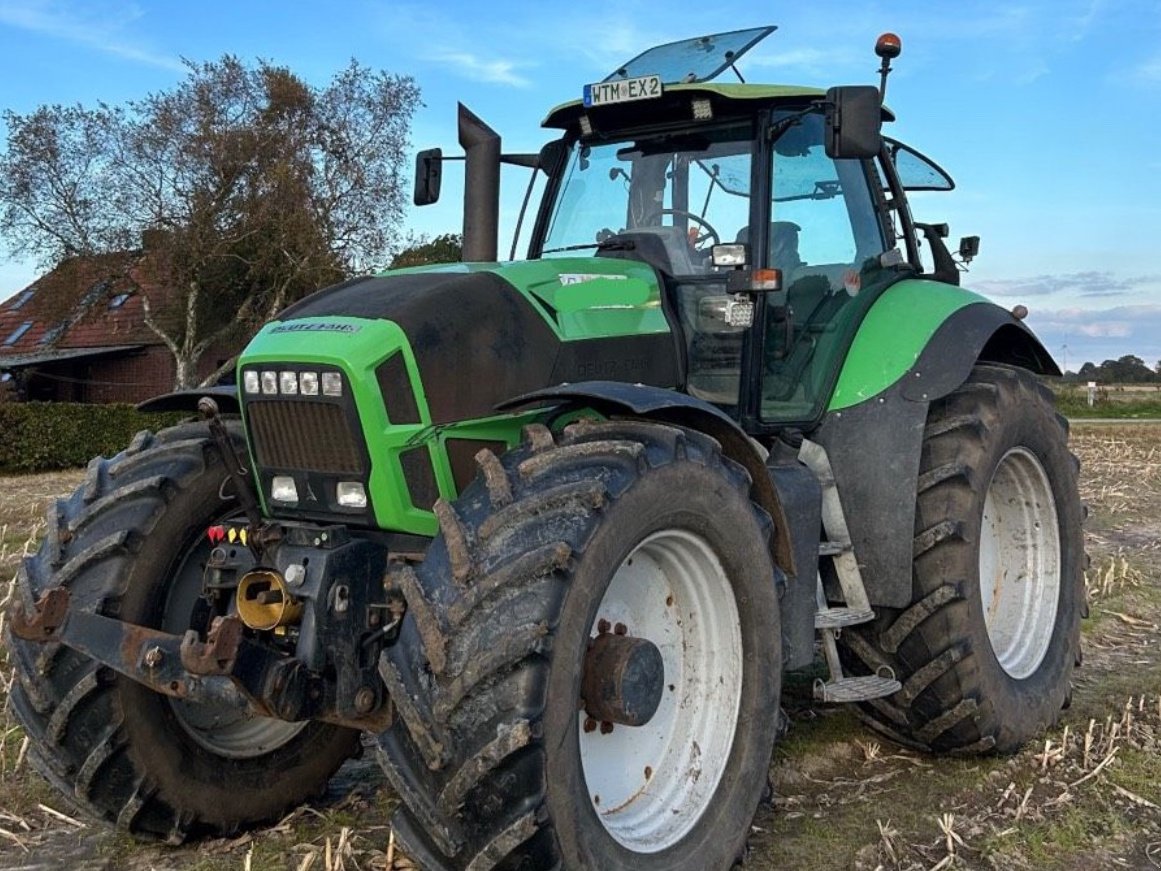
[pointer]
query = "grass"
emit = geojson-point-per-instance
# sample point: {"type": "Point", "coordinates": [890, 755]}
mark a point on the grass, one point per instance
{"type": "Point", "coordinates": [845, 797]}
{"type": "Point", "coordinates": [1111, 401]}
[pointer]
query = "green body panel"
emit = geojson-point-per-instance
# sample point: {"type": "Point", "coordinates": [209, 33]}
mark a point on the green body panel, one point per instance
{"type": "Point", "coordinates": [358, 354]}
{"type": "Point", "coordinates": [579, 297]}
{"type": "Point", "coordinates": [893, 335]}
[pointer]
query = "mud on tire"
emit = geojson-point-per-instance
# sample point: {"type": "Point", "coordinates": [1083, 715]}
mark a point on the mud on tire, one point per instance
{"type": "Point", "coordinates": [116, 749]}
{"type": "Point", "coordinates": [486, 751]}
{"type": "Point", "coordinates": [976, 681]}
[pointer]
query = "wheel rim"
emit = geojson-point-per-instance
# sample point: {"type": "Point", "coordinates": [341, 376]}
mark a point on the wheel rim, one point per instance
{"type": "Point", "coordinates": [1020, 563]}
{"type": "Point", "coordinates": [650, 784]}
{"type": "Point", "coordinates": [219, 728]}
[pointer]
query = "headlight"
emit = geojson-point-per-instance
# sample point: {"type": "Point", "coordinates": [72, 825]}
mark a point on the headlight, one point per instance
{"type": "Point", "coordinates": [270, 383]}
{"type": "Point", "coordinates": [308, 383]}
{"type": "Point", "coordinates": [288, 382]}
{"type": "Point", "coordinates": [351, 494]}
{"type": "Point", "coordinates": [332, 384]}
{"type": "Point", "coordinates": [251, 380]}
{"type": "Point", "coordinates": [283, 489]}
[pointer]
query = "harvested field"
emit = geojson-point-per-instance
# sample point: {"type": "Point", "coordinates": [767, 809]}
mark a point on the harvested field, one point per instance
{"type": "Point", "coordinates": [1087, 795]}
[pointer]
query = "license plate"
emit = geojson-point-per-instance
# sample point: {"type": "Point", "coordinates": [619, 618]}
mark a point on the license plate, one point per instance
{"type": "Point", "coordinates": [623, 91]}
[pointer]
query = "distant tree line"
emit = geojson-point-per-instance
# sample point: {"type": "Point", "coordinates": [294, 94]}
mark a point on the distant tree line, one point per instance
{"type": "Point", "coordinates": [1129, 369]}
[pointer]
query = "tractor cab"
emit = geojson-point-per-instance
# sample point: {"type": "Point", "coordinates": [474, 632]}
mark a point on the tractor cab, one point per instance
{"type": "Point", "coordinates": [747, 219]}
{"type": "Point", "coordinates": [771, 215]}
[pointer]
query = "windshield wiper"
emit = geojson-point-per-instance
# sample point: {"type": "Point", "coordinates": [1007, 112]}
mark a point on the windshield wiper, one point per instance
{"type": "Point", "coordinates": [571, 248]}
{"type": "Point", "coordinates": [612, 244]}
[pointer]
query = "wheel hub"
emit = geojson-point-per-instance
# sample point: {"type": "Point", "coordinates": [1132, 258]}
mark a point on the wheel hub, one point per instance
{"type": "Point", "coordinates": [624, 678]}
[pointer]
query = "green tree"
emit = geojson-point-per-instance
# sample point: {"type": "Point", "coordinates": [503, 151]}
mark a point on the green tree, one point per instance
{"type": "Point", "coordinates": [447, 248]}
{"type": "Point", "coordinates": [251, 186]}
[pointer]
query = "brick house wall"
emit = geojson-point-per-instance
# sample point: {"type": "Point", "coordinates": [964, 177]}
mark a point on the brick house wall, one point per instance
{"type": "Point", "coordinates": [76, 311]}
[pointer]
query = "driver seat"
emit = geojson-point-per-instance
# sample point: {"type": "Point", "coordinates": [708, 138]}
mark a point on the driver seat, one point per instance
{"type": "Point", "coordinates": [783, 247]}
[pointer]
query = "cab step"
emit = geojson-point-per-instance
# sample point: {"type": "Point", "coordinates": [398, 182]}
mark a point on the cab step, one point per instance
{"type": "Point", "coordinates": [833, 548]}
{"type": "Point", "coordinates": [856, 689]}
{"type": "Point", "coordinates": [837, 618]}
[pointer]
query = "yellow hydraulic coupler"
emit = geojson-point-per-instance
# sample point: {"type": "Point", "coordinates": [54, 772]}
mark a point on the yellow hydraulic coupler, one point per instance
{"type": "Point", "coordinates": [264, 601]}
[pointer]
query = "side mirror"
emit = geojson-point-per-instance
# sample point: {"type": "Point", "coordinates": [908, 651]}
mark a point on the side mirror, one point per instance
{"type": "Point", "coordinates": [428, 176]}
{"type": "Point", "coordinates": [854, 120]}
{"type": "Point", "coordinates": [969, 247]}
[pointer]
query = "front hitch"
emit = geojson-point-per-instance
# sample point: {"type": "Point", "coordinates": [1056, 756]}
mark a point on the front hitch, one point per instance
{"type": "Point", "coordinates": [227, 668]}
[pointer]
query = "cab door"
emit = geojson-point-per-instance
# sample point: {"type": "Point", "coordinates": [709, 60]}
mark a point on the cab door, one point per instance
{"type": "Point", "coordinates": [827, 239]}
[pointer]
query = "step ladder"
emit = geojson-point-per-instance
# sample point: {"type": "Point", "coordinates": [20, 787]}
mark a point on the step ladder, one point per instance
{"type": "Point", "coordinates": [830, 620]}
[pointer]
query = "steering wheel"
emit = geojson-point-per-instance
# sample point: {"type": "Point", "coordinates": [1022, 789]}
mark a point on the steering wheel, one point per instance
{"type": "Point", "coordinates": [710, 232]}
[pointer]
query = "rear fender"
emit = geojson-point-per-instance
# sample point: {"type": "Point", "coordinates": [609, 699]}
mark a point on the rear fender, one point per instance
{"type": "Point", "coordinates": [874, 444]}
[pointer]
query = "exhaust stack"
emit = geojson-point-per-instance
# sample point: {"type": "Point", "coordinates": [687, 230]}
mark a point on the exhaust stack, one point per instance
{"type": "Point", "coordinates": [481, 145]}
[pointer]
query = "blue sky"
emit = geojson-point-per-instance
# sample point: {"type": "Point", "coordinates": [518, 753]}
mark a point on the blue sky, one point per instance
{"type": "Point", "coordinates": [1047, 112]}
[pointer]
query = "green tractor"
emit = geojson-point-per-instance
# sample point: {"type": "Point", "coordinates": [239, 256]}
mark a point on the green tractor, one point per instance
{"type": "Point", "coordinates": [552, 530]}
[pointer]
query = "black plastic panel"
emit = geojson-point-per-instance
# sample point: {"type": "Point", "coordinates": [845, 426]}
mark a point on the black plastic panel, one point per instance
{"type": "Point", "coordinates": [420, 476]}
{"type": "Point", "coordinates": [395, 386]}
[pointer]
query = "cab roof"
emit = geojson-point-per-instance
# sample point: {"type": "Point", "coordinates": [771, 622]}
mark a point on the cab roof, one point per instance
{"type": "Point", "coordinates": [567, 115]}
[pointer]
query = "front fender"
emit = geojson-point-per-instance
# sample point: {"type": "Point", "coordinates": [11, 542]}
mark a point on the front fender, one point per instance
{"type": "Point", "coordinates": [669, 406]}
{"type": "Point", "coordinates": [226, 395]}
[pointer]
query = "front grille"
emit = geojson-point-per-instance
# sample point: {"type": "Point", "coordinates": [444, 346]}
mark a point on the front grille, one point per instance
{"type": "Point", "coordinates": [304, 435]}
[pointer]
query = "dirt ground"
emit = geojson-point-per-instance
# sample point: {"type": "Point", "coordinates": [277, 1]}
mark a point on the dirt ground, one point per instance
{"type": "Point", "coordinates": [1087, 795]}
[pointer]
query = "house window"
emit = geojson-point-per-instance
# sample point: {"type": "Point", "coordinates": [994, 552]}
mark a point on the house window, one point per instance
{"type": "Point", "coordinates": [51, 335]}
{"type": "Point", "coordinates": [23, 297]}
{"type": "Point", "coordinates": [17, 333]}
{"type": "Point", "coordinates": [5, 377]}
{"type": "Point", "coordinates": [119, 300]}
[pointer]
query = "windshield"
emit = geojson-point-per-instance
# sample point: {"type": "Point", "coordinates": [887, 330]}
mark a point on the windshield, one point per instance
{"type": "Point", "coordinates": [673, 195]}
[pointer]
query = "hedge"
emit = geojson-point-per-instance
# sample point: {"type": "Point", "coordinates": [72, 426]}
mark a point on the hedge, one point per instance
{"type": "Point", "coordinates": [42, 436]}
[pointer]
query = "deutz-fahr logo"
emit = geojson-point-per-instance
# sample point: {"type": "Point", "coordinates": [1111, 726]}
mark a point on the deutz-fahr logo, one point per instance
{"type": "Point", "coordinates": [316, 328]}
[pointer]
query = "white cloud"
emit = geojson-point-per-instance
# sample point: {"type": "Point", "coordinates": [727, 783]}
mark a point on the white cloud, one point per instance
{"type": "Point", "coordinates": [103, 30]}
{"type": "Point", "coordinates": [1087, 284]}
{"type": "Point", "coordinates": [1148, 72]}
{"type": "Point", "coordinates": [1099, 334]}
{"type": "Point", "coordinates": [470, 66]}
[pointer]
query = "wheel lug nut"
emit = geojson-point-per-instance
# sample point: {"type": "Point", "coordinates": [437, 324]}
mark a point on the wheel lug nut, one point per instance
{"type": "Point", "coordinates": [602, 626]}
{"type": "Point", "coordinates": [590, 724]}
{"type": "Point", "coordinates": [620, 629]}
{"type": "Point", "coordinates": [606, 727]}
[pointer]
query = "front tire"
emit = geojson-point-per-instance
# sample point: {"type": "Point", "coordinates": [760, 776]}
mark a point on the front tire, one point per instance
{"type": "Point", "coordinates": [987, 648]}
{"type": "Point", "coordinates": [131, 543]}
{"type": "Point", "coordinates": [624, 527]}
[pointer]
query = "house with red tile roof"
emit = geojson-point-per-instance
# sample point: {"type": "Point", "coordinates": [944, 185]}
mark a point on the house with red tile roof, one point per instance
{"type": "Point", "coordinates": [79, 334]}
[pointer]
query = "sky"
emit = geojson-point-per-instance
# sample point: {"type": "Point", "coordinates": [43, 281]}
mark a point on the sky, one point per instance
{"type": "Point", "coordinates": [1047, 113]}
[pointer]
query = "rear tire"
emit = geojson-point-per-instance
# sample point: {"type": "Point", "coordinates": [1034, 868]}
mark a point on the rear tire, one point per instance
{"type": "Point", "coordinates": [129, 543]}
{"type": "Point", "coordinates": [629, 522]}
{"type": "Point", "coordinates": [986, 650]}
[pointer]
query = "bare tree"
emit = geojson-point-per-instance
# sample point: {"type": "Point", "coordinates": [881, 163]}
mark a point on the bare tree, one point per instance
{"type": "Point", "coordinates": [251, 187]}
